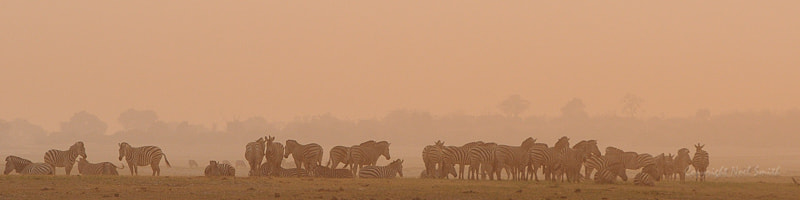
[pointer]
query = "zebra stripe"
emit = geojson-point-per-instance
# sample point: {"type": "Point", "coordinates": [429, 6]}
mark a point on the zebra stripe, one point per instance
{"type": "Point", "coordinates": [559, 154]}
{"type": "Point", "coordinates": [548, 157]}
{"type": "Point", "coordinates": [606, 172]}
{"type": "Point", "coordinates": [700, 162]}
{"type": "Point", "coordinates": [645, 160]}
{"type": "Point", "coordinates": [142, 156]}
{"type": "Point", "coordinates": [65, 159]}
{"type": "Point", "coordinates": [304, 155]}
{"type": "Point", "coordinates": [388, 171]}
{"type": "Point", "coordinates": [589, 146]}
{"type": "Point", "coordinates": [271, 170]}
{"type": "Point", "coordinates": [682, 162]}
{"type": "Point", "coordinates": [456, 156]}
{"type": "Point", "coordinates": [217, 169]}
{"type": "Point", "coordinates": [644, 179]}
{"type": "Point", "coordinates": [326, 172]}
{"type": "Point", "coordinates": [193, 164]}
{"type": "Point", "coordinates": [537, 161]}
{"type": "Point", "coordinates": [254, 153]}
{"type": "Point", "coordinates": [432, 156]}
{"type": "Point", "coordinates": [512, 158]}
{"type": "Point", "coordinates": [274, 153]}
{"type": "Point", "coordinates": [14, 163]}
{"type": "Point", "coordinates": [481, 160]}
{"type": "Point", "coordinates": [339, 154]}
{"type": "Point", "coordinates": [367, 153]}
{"type": "Point", "coordinates": [103, 168]}
{"type": "Point", "coordinates": [38, 169]}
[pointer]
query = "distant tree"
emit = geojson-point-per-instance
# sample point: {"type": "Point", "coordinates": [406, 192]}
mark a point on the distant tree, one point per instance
{"type": "Point", "coordinates": [574, 109]}
{"type": "Point", "coordinates": [84, 124]}
{"type": "Point", "coordinates": [632, 105]}
{"type": "Point", "coordinates": [140, 120]}
{"type": "Point", "coordinates": [703, 114]}
{"type": "Point", "coordinates": [514, 105]}
{"type": "Point", "coordinates": [20, 132]}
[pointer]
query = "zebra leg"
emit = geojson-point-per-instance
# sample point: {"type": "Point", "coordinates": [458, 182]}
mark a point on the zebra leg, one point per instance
{"type": "Point", "coordinates": [461, 171]}
{"type": "Point", "coordinates": [67, 168]}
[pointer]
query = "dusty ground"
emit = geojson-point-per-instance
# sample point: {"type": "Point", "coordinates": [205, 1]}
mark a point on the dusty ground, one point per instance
{"type": "Point", "coordinates": [193, 187]}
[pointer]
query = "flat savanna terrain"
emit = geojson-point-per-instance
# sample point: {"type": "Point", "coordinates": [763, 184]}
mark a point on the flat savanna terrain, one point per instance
{"type": "Point", "coordinates": [194, 187]}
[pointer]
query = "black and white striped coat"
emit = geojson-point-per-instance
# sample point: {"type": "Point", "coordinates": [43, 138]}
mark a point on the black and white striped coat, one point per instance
{"type": "Point", "coordinates": [303, 155]}
{"type": "Point", "coordinates": [38, 169]}
{"type": "Point", "coordinates": [274, 153]}
{"type": "Point", "coordinates": [142, 156]}
{"type": "Point", "coordinates": [606, 172]}
{"type": "Point", "coordinates": [339, 154]}
{"type": "Point", "coordinates": [644, 179]}
{"type": "Point", "coordinates": [681, 163]}
{"type": "Point", "coordinates": [513, 159]}
{"type": "Point", "coordinates": [700, 162]}
{"type": "Point", "coordinates": [65, 159]}
{"type": "Point", "coordinates": [14, 163]}
{"type": "Point", "coordinates": [481, 159]}
{"type": "Point", "coordinates": [254, 153]}
{"type": "Point", "coordinates": [432, 156]}
{"type": "Point", "coordinates": [388, 171]}
{"type": "Point", "coordinates": [219, 169]}
{"type": "Point", "coordinates": [367, 154]}
{"type": "Point", "coordinates": [103, 168]}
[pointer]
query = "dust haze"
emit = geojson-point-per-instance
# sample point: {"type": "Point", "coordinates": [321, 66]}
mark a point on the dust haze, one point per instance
{"type": "Point", "coordinates": [201, 79]}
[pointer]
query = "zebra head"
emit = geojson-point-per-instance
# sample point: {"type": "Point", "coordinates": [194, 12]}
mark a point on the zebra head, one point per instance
{"type": "Point", "coordinates": [9, 167]}
{"type": "Point", "coordinates": [399, 164]}
{"type": "Point", "coordinates": [563, 142]}
{"type": "Point", "coordinates": [78, 146]}
{"type": "Point", "coordinates": [290, 145]}
{"type": "Point", "coordinates": [123, 149]}
{"type": "Point", "coordinates": [699, 147]}
{"type": "Point", "coordinates": [384, 146]}
{"type": "Point", "coordinates": [528, 142]}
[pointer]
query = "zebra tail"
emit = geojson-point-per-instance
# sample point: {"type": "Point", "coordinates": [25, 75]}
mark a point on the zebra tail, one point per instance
{"type": "Point", "coordinates": [165, 160]}
{"type": "Point", "coordinates": [795, 181]}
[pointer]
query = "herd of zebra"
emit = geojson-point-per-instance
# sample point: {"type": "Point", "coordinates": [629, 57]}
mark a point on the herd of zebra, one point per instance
{"type": "Point", "coordinates": [559, 162]}
{"type": "Point", "coordinates": [134, 156]}
{"type": "Point", "coordinates": [264, 156]}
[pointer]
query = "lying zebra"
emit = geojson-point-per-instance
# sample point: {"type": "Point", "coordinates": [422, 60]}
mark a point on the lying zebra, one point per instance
{"type": "Point", "coordinates": [266, 169]}
{"type": "Point", "coordinates": [451, 170]}
{"type": "Point", "coordinates": [217, 169]}
{"type": "Point", "coordinates": [26, 167]}
{"type": "Point", "coordinates": [388, 171]}
{"type": "Point", "coordinates": [103, 168]}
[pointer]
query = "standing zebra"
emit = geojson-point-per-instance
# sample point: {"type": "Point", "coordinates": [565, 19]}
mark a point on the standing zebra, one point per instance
{"type": "Point", "coordinates": [560, 148]}
{"type": "Point", "coordinates": [274, 153]}
{"type": "Point", "coordinates": [142, 156]}
{"type": "Point", "coordinates": [388, 171]}
{"type": "Point", "coordinates": [629, 160]}
{"type": "Point", "coordinates": [432, 156]}
{"type": "Point", "coordinates": [303, 155]}
{"type": "Point", "coordinates": [254, 153]}
{"type": "Point", "coordinates": [339, 154]}
{"type": "Point", "coordinates": [367, 154]}
{"type": "Point", "coordinates": [669, 167]}
{"type": "Point", "coordinates": [458, 156]}
{"type": "Point", "coordinates": [481, 159]}
{"type": "Point", "coordinates": [575, 157]}
{"type": "Point", "coordinates": [326, 172]}
{"type": "Point", "coordinates": [548, 158]}
{"type": "Point", "coordinates": [217, 169]}
{"type": "Point", "coordinates": [65, 159]}
{"type": "Point", "coordinates": [590, 147]}
{"type": "Point", "coordinates": [700, 162]}
{"type": "Point", "coordinates": [193, 164]}
{"type": "Point", "coordinates": [681, 163]}
{"type": "Point", "coordinates": [538, 161]}
{"type": "Point", "coordinates": [512, 158]}
{"type": "Point", "coordinates": [103, 168]}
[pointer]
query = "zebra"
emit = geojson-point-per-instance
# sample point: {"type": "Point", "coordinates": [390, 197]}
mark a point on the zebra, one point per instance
{"type": "Point", "coordinates": [681, 163]}
{"type": "Point", "coordinates": [432, 156]}
{"type": "Point", "coordinates": [217, 169]}
{"type": "Point", "coordinates": [661, 166]}
{"type": "Point", "coordinates": [644, 179]}
{"type": "Point", "coordinates": [367, 154]}
{"type": "Point", "coordinates": [103, 168]}
{"type": "Point", "coordinates": [575, 157]}
{"type": "Point", "coordinates": [65, 159]}
{"type": "Point", "coordinates": [271, 170]}
{"type": "Point", "coordinates": [142, 156]}
{"type": "Point", "coordinates": [669, 167]}
{"type": "Point", "coordinates": [548, 158]}
{"type": "Point", "coordinates": [629, 160]}
{"type": "Point", "coordinates": [193, 164]}
{"type": "Point", "coordinates": [458, 156]}
{"type": "Point", "coordinates": [558, 156]}
{"type": "Point", "coordinates": [537, 161]}
{"type": "Point", "coordinates": [590, 146]}
{"type": "Point", "coordinates": [339, 154]}
{"type": "Point", "coordinates": [227, 162]}
{"type": "Point", "coordinates": [15, 163]}
{"type": "Point", "coordinates": [644, 160]}
{"type": "Point", "coordinates": [274, 153]}
{"type": "Point", "coordinates": [304, 155]}
{"type": "Point", "coordinates": [38, 169]}
{"type": "Point", "coordinates": [700, 162]}
{"type": "Point", "coordinates": [481, 158]}
{"type": "Point", "coordinates": [388, 171]}
{"type": "Point", "coordinates": [254, 153]}
{"type": "Point", "coordinates": [512, 158]}
{"type": "Point", "coordinates": [606, 172]}
{"type": "Point", "coordinates": [326, 172]}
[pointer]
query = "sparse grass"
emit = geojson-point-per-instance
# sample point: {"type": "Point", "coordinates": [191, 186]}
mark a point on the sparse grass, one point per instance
{"type": "Point", "coordinates": [183, 187]}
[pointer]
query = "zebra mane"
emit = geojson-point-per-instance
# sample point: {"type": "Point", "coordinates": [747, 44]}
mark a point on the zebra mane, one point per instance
{"type": "Point", "coordinates": [18, 159]}
{"type": "Point", "coordinates": [367, 143]}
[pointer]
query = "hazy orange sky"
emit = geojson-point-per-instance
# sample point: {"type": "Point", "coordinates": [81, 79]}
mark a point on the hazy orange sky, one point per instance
{"type": "Point", "coordinates": [211, 61]}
